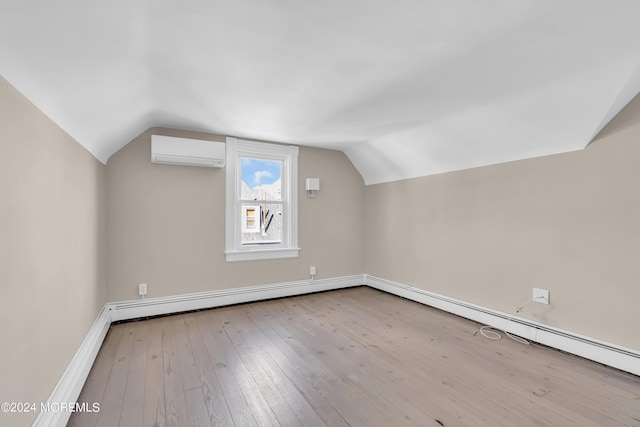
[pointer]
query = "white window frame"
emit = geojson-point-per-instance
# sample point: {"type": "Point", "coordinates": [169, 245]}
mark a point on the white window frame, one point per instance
{"type": "Point", "coordinates": [288, 155]}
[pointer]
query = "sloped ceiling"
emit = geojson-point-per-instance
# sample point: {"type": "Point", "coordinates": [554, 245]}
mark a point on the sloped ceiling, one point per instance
{"type": "Point", "coordinates": [404, 87]}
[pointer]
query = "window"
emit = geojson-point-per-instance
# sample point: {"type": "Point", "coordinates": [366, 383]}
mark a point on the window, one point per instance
{"type": "Point", "coordinates": [262, 201]}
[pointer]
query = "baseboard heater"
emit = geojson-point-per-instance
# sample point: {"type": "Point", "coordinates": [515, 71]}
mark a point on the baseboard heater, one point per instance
{"type": "Point", "coordinates": [611, 355]}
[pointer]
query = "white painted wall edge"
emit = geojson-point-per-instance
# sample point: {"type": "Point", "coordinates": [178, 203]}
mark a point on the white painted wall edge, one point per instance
{"type": "Point", "coordinates": [75, 375]}
{"type": "Point", "coordinates": [612, 355]}
{"type": "Point", "coordinates": [70, 384]}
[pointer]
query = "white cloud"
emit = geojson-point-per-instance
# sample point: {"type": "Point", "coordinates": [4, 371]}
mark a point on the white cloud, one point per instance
{"type": "Point", "coordinates": [259, 175]}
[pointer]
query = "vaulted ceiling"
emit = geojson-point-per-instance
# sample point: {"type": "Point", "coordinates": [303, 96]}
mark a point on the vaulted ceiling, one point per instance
{"type": "Point", "coordinates": [404, 87]}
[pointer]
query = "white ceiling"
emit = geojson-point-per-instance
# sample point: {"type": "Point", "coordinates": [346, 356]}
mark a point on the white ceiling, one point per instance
{"type": "Point", "coordinates": [404, 87]}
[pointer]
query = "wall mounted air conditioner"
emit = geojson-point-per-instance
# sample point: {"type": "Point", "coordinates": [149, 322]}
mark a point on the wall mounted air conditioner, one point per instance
{"type": "Point", "coordinates": [170, 150]}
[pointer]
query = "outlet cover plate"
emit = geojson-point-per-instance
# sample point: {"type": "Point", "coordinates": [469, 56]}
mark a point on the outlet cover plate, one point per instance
{"type": "Point", "coordinates": [541, 295]}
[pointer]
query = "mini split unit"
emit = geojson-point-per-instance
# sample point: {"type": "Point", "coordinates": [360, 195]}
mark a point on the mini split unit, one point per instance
{"type": "Point", "coordinates": [169, 150]}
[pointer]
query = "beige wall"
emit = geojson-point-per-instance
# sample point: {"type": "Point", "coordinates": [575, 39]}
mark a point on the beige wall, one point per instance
{"type": "Point", "coordinates": [52, 251]}
{"type": "Point", "coordinates": [167, 224]}
{"type": "Point", "coordinates": [568, 223]}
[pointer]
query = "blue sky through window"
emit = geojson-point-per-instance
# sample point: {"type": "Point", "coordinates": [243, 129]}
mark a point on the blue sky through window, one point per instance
{"type": "Point", "coordinates": [259, 172]}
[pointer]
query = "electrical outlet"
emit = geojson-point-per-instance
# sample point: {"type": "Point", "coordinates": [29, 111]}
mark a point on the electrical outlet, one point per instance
{"type": "Point", "coordinates": [312, 270]}
{"type": "Point", "coordinates": [541, 296]}
{"type": "Point", "coordinates": [142, 289]}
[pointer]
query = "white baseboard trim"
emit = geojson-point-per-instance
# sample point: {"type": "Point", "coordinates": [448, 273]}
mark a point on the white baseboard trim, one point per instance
{"type": "Point", "coordinates": [179, 303]}
{"type": "Point", "coordinates": [72, 380]}
{"type": "Point", "coordinates": [612, 355]}
{"type": "Point", "coordinates": [70, 384]}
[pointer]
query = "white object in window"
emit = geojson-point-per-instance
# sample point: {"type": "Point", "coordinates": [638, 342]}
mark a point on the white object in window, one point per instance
{"type": "Point", "coordinates": [261, 218]}
{"type": "Point", "coordinates": [250, 219]}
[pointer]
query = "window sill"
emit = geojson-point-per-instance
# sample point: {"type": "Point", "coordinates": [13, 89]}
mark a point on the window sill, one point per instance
{"type": "Point", "coordinates": [260, 254]}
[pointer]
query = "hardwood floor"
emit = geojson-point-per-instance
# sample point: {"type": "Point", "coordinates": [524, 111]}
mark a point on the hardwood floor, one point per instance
{"type": "Point", "coordinates": [353, 357]}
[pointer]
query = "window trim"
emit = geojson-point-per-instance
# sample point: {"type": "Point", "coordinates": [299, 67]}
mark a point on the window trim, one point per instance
{"type": "Point", "coordinates": [288, 154]}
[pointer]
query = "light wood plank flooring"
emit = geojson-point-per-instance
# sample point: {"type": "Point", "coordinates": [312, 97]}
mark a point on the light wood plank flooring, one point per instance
{"type": "Point", "coordinates": [353, 357]}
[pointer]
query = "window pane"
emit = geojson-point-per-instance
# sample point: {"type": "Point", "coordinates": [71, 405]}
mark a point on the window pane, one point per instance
{"type": "Point", "coordinates": [262, 224]}
{"type": "Point", "coordinates": [261, 179]}
{"type": "Point", "coordinates": [250, 219]}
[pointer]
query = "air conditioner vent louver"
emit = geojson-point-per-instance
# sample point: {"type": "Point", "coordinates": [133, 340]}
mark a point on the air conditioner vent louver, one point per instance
{"type": "Point", "coordinates": [170, 150]}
